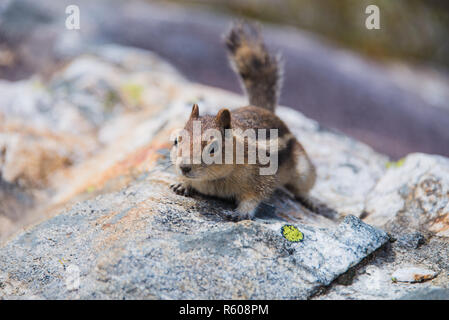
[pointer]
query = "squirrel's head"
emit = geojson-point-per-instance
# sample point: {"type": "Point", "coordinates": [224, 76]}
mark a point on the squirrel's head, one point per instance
{"type": "Point", "coordinates": [198, 151]}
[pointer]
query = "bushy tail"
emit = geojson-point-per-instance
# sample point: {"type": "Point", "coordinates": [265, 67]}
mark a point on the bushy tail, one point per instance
{"type": "Point", "coordinates": [258, 70]}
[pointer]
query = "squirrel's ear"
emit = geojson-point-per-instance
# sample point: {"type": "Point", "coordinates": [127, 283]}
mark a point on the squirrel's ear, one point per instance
{"type": "Point", "coordinates": [195, 112]}
{"type": "Point", "coordinates": [223, 118]}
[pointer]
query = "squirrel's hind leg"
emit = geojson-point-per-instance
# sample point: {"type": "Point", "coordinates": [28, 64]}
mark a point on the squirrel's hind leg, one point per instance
{"type": "Point", "coordinates": [246, 209]}
{"type": "Point", "coordinates": [303, 174]}
{"type": "Point", "coordinates": [302, 180]}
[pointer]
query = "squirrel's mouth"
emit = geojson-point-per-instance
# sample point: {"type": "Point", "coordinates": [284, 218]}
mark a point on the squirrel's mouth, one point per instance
{"type": "Point", "coordinates": [192, 176]}
{"type": "Point", "coordinates": [188, 175]}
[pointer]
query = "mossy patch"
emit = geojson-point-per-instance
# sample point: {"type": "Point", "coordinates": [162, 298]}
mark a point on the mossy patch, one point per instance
{"type": "Point", "coordinates": [292, 233]}
{"type": "Point", "coordinates": [133, 91]}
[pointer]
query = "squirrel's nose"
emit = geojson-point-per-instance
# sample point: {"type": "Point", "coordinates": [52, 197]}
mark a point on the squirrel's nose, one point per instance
{"type": "Point", "coordinates": [185, 168]}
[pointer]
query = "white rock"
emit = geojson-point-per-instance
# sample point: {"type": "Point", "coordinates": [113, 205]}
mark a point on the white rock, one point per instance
{"type": "Point", "coordinates": [414, 194]}
{"type": "Point", "coordinates": [413, 274]}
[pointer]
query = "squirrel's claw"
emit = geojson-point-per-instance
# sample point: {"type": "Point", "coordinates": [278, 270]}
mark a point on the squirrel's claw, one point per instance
{"type": "Point", "coordinates": [181, 189]}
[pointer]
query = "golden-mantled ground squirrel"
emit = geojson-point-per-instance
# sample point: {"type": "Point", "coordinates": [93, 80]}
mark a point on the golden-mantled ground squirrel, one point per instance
{"type": "Point", "coordinates": [260, 75]}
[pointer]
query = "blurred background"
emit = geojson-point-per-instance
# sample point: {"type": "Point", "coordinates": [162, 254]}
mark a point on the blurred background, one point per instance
{"type": "Point", "coordinates": [412, 30]}
{"type": "Point", "coordinates": [388, 88]}
{"type": "Point", "coordinates": [409, 55]}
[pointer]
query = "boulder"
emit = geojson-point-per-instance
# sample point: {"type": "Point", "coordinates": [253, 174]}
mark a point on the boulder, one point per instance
{"type": "Point", "coordinates": [106, 224]}
{"type": "Point", "coordinates": [147, 242]}
{"type": "Point", "coordinates": [412, 195]}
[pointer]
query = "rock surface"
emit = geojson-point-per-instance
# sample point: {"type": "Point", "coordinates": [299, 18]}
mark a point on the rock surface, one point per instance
{"type": "Point", "coordinates": [412, 195]}
{"type": "Point", "coordinates": [130, 237]}
{"type": "Point", "coordinates": [427, 294]}
{"type": "Point", "coordinates": [146, 242]}
{"type": "Point", "coordinates": [413, 274]}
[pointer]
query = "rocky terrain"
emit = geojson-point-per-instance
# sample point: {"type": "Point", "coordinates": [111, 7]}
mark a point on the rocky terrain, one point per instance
{"type": "Point", "coordinates": [131, 237]}
{"type": "Point", "coordinates": [86, 210]}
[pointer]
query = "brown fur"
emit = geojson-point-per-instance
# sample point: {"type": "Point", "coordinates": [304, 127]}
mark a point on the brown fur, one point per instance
{"type": "Point", "coordinates": [243, 182]}
{"type": "Point", "coordinates": [258, 70]}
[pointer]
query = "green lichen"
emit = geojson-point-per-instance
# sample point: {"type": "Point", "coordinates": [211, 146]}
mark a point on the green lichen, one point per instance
{"type": "Point", "coordinates": [292, 233]}
{"type": "Point", "coordinates": [395, 164]}
{"type": "Point", "coordinates": [134, 91]}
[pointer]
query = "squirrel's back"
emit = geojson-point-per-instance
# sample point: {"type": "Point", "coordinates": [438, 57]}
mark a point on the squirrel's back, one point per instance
{"type": "Point", "coordinates": [259, 71]}
{"type": "Point", "coordinates": [247, 183]}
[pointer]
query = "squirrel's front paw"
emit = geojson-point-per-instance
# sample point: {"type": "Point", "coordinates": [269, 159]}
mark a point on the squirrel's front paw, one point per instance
{"type": "Point", "coordinates": [181, 189]}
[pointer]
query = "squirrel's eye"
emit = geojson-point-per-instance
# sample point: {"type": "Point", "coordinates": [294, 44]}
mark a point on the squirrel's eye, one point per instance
{"type": "Point", "coordinates": [175, 142]}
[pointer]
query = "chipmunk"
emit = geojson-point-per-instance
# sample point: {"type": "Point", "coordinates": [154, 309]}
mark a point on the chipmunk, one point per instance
{"type": "Point", "coordinates": [260, 77]}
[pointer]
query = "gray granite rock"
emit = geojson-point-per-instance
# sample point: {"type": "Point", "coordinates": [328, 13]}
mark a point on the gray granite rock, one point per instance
{"type": "Point", "coordinates": [427, 294]}
{"type": "Point", "coordinates": [410, 240]}
{"type": "Point", "coordinates": [147, 242]}
{"type": "Point", "coordinates": [372, 279]}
